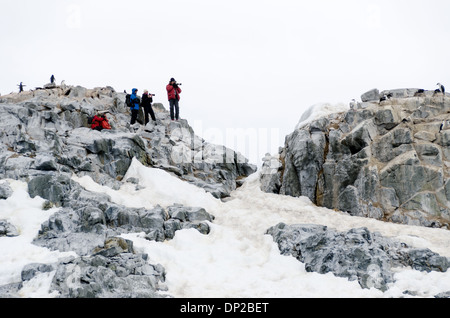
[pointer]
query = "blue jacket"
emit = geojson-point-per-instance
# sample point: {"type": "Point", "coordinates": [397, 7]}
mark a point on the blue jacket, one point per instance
{"type": "Point", "coordinates": [135, 99]}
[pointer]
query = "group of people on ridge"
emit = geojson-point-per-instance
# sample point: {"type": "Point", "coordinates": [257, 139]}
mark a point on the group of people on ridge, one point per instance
{"type": "Point", "coordinates": [100, 122]}
{"type": "Point", "coordinates": [173, 95]}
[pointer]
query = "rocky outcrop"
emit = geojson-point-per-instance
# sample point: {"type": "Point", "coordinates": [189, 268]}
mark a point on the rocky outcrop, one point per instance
{"type": "Point", "coordinates": [357, 254]}
{"type": "Point", "coordinates": [85, 219]}
{"type": "Point", "coordinates": [388, 159]}
{"type": "Point", "coordinates": [124, 275]}
{"type": "Point", "coordinates": [8, 229]}
{"type": "Point", "coordinates": [47, 132]}
{"type": "Point", "coordinates": [89, 225]}
{"type": "Point", "coordinates": [115, 271]}
{"type": "Point", "coordinates": [45, 141]}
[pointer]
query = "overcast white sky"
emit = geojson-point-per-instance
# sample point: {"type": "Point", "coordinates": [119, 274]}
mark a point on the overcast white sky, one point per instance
{"type": "Point", "coordinates": [249, 68]}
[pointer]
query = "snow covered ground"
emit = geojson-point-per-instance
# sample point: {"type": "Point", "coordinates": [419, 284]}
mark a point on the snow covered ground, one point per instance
{"type": "Point", "coordinates": [319, 110]}
{"type": "Point", "coordinates": [236, 260]}
{"type": "Point", "coordinates": [26, 215]}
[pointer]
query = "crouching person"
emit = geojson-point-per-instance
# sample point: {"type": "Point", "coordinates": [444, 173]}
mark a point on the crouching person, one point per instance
{"type": "Point", "coordinates": [100, 122]}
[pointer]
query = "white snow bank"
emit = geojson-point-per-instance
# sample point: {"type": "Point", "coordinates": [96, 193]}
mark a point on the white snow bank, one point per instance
{"type": "Point", "coordinates": [158, 188]}
{"type": "Point", "coordinates": [274, 208]}
{"type": "Point", "coordinates": [319, 110]}
{"type": "Point", "coordinates": [26, 215]}
{"type": "Point", "coordinates": [227, 264]}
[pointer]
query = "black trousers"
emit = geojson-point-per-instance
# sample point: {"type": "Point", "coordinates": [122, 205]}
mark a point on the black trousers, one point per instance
{"type": "Point", "coordinates": [174, 109]}
{"type": "Point", "coordinates": [134, 115]}
{"type": "Point", "coordinates": [149, 110]}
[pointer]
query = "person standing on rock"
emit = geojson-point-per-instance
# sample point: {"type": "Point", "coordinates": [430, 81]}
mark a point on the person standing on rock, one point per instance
{"type": "Point", "coordinates": [173, 93]}
{"type": "Point", "coordinates": [147, 100]}
{"type": "Point", "coordinates": [21, 86]}
{"type": "Point", "coordinates": [135, 101]}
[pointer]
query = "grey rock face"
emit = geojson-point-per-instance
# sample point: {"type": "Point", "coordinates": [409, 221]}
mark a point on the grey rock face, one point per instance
{"type": "Point", "coordinates": [8, 229]}
{"type": "Point", "coordinates": [5, 191]}
{"type": "Point", "coordinates": [86, 220]}
{"type": "Point", "coordinates": [45, 138]}
{"type": "Point", "coordinates": [389, 160]}
{"type": "Point", "coordinates": [123, 274]}
{"type": "Point", "coordinates": [443, 295]}
{"type": "Point", "coordinates": [357, 254]}
{"type": "Point", "coordinates": [372, 95]}
{"type": "Point", "coordinates": [271, 174]}
{"type": "Point", "coordinates": [89, 224]}
{"type": "Point", "coordinates": [31, 270]}
{"type": "Point", "coordinates": [47, 131]}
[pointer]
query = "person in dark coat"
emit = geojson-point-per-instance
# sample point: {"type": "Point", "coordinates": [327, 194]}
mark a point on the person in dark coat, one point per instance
{"type": "Point", "coordinates": [147, 101]}
{"type": "Point", "coordinates": [21, 86]}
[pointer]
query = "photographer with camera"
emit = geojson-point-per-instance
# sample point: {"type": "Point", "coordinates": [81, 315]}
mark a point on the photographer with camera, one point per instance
{"type": "Point", "coordinates": [173, 93]}
{"type": "Point", "coordinates": [147, 100]}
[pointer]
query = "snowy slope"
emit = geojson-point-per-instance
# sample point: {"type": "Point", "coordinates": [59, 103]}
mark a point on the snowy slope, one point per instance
{"type": "Point", "coordinates": [26, 215]}
{"type": "Point", "coordinates": [236, 259]}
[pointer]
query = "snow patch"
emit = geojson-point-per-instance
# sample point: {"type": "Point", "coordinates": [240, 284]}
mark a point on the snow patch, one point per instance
{"type": "Point", "coordinates": [319, 110]}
